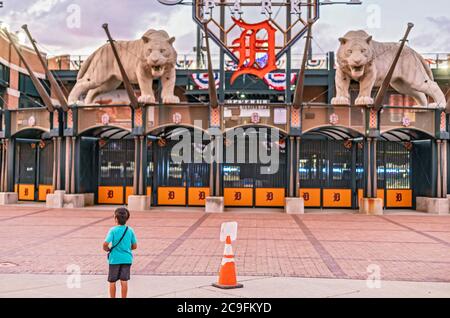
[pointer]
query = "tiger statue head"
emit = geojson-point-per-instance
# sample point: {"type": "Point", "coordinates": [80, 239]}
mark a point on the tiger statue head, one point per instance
{"type": "Point", "coordinates": [158, 52]}
{"type": "Point", "coordinates": [355, 53]}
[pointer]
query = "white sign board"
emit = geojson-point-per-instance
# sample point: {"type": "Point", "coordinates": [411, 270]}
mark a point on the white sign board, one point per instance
{"type": "Point", "coordinates": [228, 229]}
{"type": "Point", "coordinates": [279, 116]}
{"type": "Point", "coordinates": [248, 111]}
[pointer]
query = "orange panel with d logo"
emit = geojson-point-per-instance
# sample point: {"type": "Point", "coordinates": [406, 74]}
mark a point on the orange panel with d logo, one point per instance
{"type": "Point", "coordinates": [399, 198]}
{"type": "Point", "coordinates": [337, 198]}
{"type": "Point", "coordinates": [197, 196]}
{"type": "Point", "coordinates": [171, 195]}
{"type": "Point", "coordinates": [110, 195]}
{"type": "Point", "coordinates": [26, 192]}
{"type": "Point", "coordinates": [311, 197]}
{"type": "Point", "coordinates": [128, 192]}
{"type": "Point", "coordinates": [238, 196]}
{"type": "Point", "coordinates": [269, 197]}
{"type": "Point", "coordinates": [44, 189]}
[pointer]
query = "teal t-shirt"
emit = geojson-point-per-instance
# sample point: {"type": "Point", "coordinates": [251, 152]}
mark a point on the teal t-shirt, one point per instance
{"type": "Point", "coordinates": [121, 254]}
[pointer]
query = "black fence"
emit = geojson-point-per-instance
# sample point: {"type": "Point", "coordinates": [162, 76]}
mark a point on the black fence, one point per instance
{"type": "Point", "coordinates": [116, 163]}
{"type": "Point", "coordinates": [170, 166]}
{"type": "Point", "coordinates": [328, 164]}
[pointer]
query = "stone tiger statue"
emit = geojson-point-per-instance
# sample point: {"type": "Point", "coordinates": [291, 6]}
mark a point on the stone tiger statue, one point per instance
{"type": "Point", "coordinates": [364, 60]}
{"type": "Point", "coordinates": [145, 59]}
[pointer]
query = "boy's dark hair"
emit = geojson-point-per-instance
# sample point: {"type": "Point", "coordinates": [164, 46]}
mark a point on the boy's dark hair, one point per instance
{"type": "Point", "coordinates": [122, 215]}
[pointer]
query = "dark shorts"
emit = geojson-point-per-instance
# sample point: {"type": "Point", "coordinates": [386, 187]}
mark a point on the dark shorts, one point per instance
{"type": "Point", "coordinates": [119, 272]}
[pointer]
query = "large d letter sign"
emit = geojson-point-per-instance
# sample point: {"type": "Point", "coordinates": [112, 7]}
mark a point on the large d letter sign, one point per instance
{"type": "Point", "coordinates": [256, 55]}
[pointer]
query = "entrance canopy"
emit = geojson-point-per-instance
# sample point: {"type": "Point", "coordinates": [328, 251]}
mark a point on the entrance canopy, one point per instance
{"type": "Point", "coordinates": [406, 134]}
{"type": "Point", "coordinates": [333, 133]}
{"type": "Point", "coordinates": [109, 132]}
{"type": "Point", "coordinates": [31, 133]}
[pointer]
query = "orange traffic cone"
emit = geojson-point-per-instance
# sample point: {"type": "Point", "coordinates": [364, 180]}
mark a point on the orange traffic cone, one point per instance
{"type": "Point", "coordinates": [227, 274]}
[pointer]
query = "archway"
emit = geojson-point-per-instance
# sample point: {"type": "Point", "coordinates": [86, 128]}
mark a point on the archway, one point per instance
{"type": "Point", "coordinates": [404, 167]}
{"type": "Point", "coordinates": [177, 173]}
{"type": "Point", "coordinates": [255, 166]}
{"type": "Point", "coordinates": [33, 164]}
{"type": "Point", "coordinates": [106, 164]}
{"type": "Point", "coordinates": [330, 167]}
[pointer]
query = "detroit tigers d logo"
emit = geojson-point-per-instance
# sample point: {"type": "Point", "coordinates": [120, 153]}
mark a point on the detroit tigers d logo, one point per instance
{"type": "Point", "coordinates": [249, 47]}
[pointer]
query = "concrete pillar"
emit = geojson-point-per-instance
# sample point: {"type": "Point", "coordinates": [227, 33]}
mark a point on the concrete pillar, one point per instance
{"type": "Point", "coordinates": [371, 206]}
{"type": "Point", "coordinates": [370, 167]}
{"type": "Point", "coordinates": [441, 181]}
{"type": "Point", "coordinates": [68, 163]}
{"type": "Point", "coordinates": [294, 205]}
{"type": "Point", "coordinates": [220, 158]}
{"type": "Point", "coordinates": [136, 166]}
{"type": "Point", "coordinates": [139, 202]}
{"type": "Point", "coordinates": [297, 174]}
{"type": "Point", "coordinates": [438, 206]}
{"type": "Point", "coordinates": [141, 185]}
{"type": "Point", "coordinates": [8, 198]}
{"type": "Point", "coordinates": [291, 167]}
{"type": "Point", "coordinates": [55, 200]}
{"type": "Point", "coordinates": [211, 172]}
{"type": "Point", "coordinates": [214, 205]}
{"type": "Point", "coordinates": [55, 164]}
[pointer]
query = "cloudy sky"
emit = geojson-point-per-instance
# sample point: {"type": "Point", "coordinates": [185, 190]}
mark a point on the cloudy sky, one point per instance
{"type": "Point", "coordinates": [74, 26]}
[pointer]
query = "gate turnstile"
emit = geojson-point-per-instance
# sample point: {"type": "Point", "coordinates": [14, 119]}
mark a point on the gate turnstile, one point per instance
{"type": "Point", "coordinates": [33, 169]}
{"type": "Point", "coordinates": [171, 180]}
{"type": "Point", "coordinates": [115, 174]}
{"type": "Point", "coordinates": [245, 181]}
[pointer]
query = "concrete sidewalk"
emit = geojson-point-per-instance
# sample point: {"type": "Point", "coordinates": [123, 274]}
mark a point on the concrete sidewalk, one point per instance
{"type": "Point", "coordinates": [91, 286]}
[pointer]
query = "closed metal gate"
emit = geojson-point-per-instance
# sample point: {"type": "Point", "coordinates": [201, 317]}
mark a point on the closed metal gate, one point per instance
{"type": "Point", "coordinates": [33, 169]}
{"type": "Point", "coordinates": [116, 162]}
{"type": "Point", "coordinates": [248, 180]}
{"type": "Point", "coordinates": [173, 181]}
{"type": "Point", "coordinates": [328, 172]}
{"type": "Point", "coordinates": [394, 173]}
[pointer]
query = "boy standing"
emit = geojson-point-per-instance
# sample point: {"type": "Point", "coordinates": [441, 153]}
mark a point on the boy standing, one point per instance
{"type": "Point", "coordinates": [119, 243]}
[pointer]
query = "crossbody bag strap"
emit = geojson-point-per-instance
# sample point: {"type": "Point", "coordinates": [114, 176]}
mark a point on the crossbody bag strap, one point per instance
{"type": "Point", "coordinates": [124, 232]}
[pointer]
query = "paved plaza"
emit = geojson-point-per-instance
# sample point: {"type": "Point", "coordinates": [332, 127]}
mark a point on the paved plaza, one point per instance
{"type": "Point", "coordinates": [407, 247]}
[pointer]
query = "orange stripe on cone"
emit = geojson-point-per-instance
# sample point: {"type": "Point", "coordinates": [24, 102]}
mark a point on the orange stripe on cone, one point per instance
{"type": "Point", "coordinates": [227, 273]}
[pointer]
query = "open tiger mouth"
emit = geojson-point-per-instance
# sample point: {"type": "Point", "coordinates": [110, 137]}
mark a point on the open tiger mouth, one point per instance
{"type": "Point", "coordinates": [156, 68]}
{"type": "Point", "coordinates": [357, 68]}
